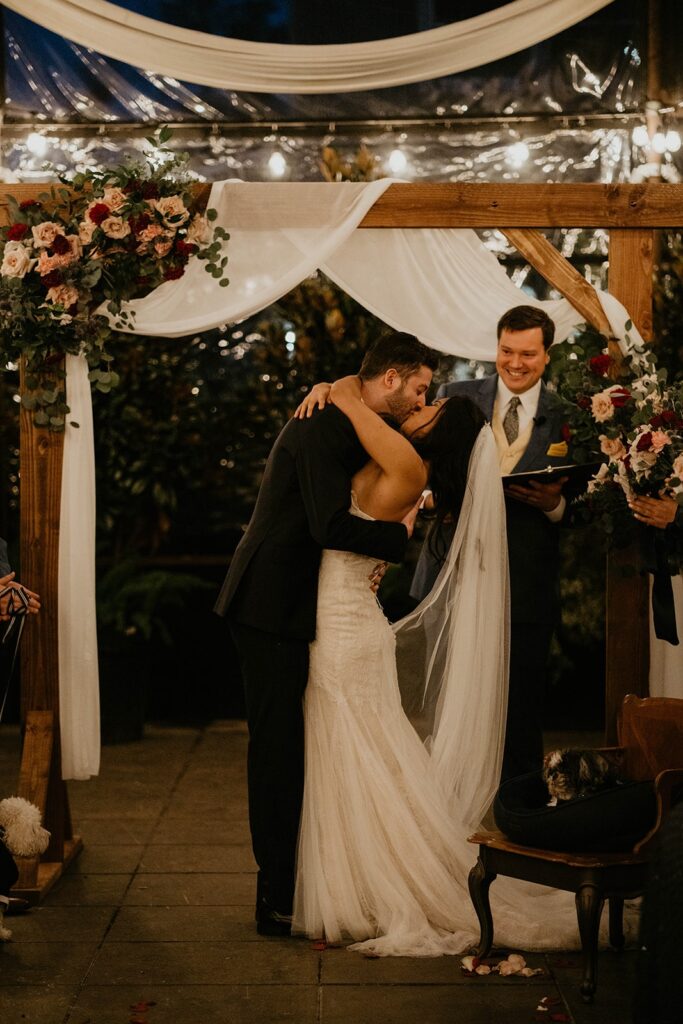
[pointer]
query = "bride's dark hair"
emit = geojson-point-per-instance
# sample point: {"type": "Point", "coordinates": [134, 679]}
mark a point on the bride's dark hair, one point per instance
{"type": "Point", "coordinates": [447, 446]}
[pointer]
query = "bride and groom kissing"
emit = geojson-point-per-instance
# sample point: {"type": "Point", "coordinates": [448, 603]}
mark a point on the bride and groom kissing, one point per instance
{"type": "Point", "coordinates": [374, 750]}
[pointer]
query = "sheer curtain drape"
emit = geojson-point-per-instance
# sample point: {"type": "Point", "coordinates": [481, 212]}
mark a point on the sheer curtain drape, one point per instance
{"type": "Point", "coordinates": [224, 63]}
{"type": "Point", "coordinates": [442, 285]}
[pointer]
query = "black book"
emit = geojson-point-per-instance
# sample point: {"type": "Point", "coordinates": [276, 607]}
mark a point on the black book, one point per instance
{"type": "Point", "coordinates": [578, 474]}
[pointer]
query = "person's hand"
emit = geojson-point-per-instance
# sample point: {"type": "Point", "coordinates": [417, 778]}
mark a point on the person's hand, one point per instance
{"type": "Point", "coordinates": [317, 398]}
{"type": "Point", "coordinates": [544, 497]}
{"type": "Point", "coordinates": [8, 603]}
{"type": "Point", "coordinates": [659, 512]}
{"type": "Point", "coordinates": [344, 388]}
{"type": "Point", "coordinates": [377, 575]}
{"type": "Point", "coordinates": [410, 517]}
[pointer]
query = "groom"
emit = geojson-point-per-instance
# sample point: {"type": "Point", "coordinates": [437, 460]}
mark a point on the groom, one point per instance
{"type": "Point", "coordinates": [270, 592]}
{"type": "Point", "coordinates": [527, 421]}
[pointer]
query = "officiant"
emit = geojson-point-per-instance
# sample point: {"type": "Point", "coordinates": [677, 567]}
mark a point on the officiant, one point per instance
{"type": "Point", "coordinates": [527, 421]}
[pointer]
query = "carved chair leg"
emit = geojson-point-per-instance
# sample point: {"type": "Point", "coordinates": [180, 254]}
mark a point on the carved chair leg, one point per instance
{"type": "Point", "coordinates": [479, 882]}
{"type": "Point", "coordinates": [616, 922]}
{"type": "Point", "coordinates": [589, 904]}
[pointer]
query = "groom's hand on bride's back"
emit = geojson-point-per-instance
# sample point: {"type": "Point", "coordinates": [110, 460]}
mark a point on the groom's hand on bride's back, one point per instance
{"type": "Point", "coordinates": [317, 398]}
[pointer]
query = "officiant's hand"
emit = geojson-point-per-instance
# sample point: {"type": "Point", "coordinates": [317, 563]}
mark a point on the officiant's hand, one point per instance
{"type": "Point", "coordinates": [545, 497]}
{"type": "Point", "coordinates": [7, 603]}
{"type": "Point", "coordinates": [317, 398]}
{"type": "Point", "coordinates": [659, 512]}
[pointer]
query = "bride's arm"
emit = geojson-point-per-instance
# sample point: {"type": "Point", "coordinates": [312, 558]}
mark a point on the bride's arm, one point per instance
{"type": "Point", "coordinates": [392, 452]}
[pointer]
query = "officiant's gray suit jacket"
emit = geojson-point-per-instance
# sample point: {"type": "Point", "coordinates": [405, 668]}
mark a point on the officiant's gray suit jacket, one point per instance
{"type": "Point", "coordinates": [533, 540]}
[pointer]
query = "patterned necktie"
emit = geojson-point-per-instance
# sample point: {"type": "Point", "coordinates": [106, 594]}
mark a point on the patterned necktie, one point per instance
{"type": "Point", "coordinates": [511, 421]}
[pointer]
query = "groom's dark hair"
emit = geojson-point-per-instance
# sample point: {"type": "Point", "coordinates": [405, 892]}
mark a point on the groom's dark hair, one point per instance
{"type": "Point", "coordinates": [398, 351]}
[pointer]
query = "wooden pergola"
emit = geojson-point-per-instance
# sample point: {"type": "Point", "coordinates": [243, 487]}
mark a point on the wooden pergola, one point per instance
{"type": "Point", "coordinates": [631, 213]}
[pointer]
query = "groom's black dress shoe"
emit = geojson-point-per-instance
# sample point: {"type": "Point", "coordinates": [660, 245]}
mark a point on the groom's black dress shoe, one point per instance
{"type": "Point", "coordinates": [270, 922]}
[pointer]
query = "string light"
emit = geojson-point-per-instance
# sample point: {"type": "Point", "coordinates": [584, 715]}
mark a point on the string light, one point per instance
{"type": "Point", "coordinates": [517, 154]}
{"type": "Point", "coordinates": [640, 136]}
{"type": "Point", "coordinates": [37, 144]}
{"type": "Point", "coordinates": [277, 164]}
{"type": "Point", "coordinates": [397, 161]}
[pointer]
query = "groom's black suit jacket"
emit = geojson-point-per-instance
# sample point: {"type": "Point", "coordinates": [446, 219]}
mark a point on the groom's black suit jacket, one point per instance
{"type": "Point", "coordinates": [302, 507]}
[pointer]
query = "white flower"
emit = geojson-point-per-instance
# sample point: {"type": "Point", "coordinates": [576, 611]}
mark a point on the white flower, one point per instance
{"type": "Point", "coordinates": [16, 261]}
{"type": "Point", "coordinates": [44, 234]}
{"type": "Point", "coordinates": [115, 227]}
{"type": "Point", "coordinates": [601, 407]}
{"type": "Point", "coordinates": [678, 467]}
{"type": "Point", "coordinates": [599, 478]}
{"type": "Point", "coordinates": [612, 446]}
{"type": "Point", "coordinates": [62, 295]}
{"type": "Point", "coordinates": [199, 231]}
{"type": "Point", "coordinates": [86, 230]}
{"type": "Point", "coordinates": [172, 210]}
{"type": "Point", "coordinates": [115, 198]}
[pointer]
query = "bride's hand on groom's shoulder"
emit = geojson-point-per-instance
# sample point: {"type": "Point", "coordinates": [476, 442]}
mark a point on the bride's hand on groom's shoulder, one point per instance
{"type": "Point", "coordinates": [317, 398]}
{"type": "Point", "coordinates": [345, 388]}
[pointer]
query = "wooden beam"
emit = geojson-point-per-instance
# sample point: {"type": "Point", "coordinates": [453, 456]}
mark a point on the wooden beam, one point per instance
{"type": "Point", "coordinates": [559, 272]}
{"type": "Point", "coordinates": [487, 205]}
{"type": "Point", "coordinates": [627, 634]}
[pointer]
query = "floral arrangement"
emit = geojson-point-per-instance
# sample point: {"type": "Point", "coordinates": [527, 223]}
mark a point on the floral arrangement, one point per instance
{"type": "Point", "coordinates": [626, 415]}
{"type": "Point", "coordinates": [101, 239]}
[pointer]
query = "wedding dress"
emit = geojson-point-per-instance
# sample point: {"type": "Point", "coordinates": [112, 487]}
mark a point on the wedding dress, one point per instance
{"type": "Point", "coordinates": [383, 857]}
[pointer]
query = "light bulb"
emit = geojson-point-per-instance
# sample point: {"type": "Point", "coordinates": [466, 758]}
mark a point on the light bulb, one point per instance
{"type": "Point", "coordinates": [277, 164]}
{"type": "Point", "coordinates": [518, 154]}
{"type": "Point", "coordinates": [397, 161]}
{"type": "Point", "coordinates": [640, 136]}
{"type": "Point", "coordinates": [659, 142]}
{"type": "Point", "coordinates": [37, 144]}
{"type": "Point", "coordinates": [673, 141]}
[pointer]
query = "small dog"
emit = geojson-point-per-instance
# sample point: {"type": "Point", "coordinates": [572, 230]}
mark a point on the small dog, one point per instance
{"type": "Point", "coordinates": [21, 835]}
{"type": "Point", "coordinates": [571, 774]}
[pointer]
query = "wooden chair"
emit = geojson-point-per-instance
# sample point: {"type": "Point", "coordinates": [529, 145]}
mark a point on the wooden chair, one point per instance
{"type": "Point", "coordinates": [651, 747]}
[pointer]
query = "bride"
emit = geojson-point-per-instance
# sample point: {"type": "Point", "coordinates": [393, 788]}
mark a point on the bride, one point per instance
{"type": "Point", "coordinates": [404, 725]}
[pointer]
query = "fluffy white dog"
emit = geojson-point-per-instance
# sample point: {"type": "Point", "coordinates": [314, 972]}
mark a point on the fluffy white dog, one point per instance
{"type": "Point", "coordinates": [23, 835]}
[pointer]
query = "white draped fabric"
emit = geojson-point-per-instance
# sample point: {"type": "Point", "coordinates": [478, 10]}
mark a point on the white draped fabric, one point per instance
{"type": "Point", "coordinates": [442, 285]}
{"type": "Point", "coordinates": [279, 68]}
{"type": "Point", "coordinates": [666, 661]}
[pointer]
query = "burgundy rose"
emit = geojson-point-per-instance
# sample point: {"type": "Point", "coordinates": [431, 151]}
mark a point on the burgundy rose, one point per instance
{"type": "Point", "coordinates": [644, 442]}
{"type": "Point", "coordinates": [138, 222]}
{"type": "Point", "coordinates": [668, 418]}
{"type": "Point", "coordinates": [619, 397]}
{"type": "Point", "coordinates": [131, 186]}
{"type": "Point", "coordinates": [16, 232]}
{"type": "Point", "coordinates": [149, 190]}
{"type": "Point", "coordinates": [583, 402]}
{"type": "Point", "coordinates": [98, 213]}
{"type": "Point", "coordinates": [52, 279]}
{"type": "Point", "coordinates": [60, 245]}
{"type": "Point", "coordinates": [600, 365]}
{"type": "Point", "coordinates": [185, 249]}
{"type": "Point", "coordinates": [566, 432]}
{"type": "Point", "coordinates": [172, 273]}
{"type": "Point", "coordinates": [143, 280]}
{"type": "Point", "coordinates": [26, 204]}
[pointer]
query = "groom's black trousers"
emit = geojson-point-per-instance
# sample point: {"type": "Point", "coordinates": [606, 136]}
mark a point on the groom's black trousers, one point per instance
{"type": "Point", "coordinates": [274, 675]}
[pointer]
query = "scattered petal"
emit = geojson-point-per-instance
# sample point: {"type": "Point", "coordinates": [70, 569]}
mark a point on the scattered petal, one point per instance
{"type": "Point", "coordinates": [319, 945]}
{"type": "Point", "coordinates": [517, 961]}
{"type": "Point", "coordinates": [529, 972]}
{"type": "Point", "coordinates": [469, 963]}
{"type": "Point", "coordinates": [482, 969]}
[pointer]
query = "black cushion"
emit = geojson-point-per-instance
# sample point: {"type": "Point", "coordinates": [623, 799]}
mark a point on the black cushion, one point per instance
{"type": "Point", "coordinates": [611, 820]}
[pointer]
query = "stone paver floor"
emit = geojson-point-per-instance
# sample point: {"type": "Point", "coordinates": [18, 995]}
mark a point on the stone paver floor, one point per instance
{"type": "Point", "coordinates": [153, 923]}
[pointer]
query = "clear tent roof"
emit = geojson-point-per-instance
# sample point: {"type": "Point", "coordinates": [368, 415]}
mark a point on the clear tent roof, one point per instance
{"type": "Point", "coordinates": [594, 67]}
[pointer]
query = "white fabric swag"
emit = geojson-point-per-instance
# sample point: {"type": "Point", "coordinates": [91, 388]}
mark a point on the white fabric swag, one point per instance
{"type": "Point", "coordinates": [442, 285]}
{"type": "Point", "coordinates": [279, 68]}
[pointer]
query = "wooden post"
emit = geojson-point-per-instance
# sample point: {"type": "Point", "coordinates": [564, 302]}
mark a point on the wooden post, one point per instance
{"type": "Point", "coordinates": [628, 621]}
{"type": "Point", "coordinates": [40, 779]}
